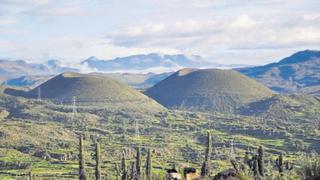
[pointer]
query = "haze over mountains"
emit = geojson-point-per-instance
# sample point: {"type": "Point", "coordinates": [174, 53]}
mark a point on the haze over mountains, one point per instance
{"type": "Point", "coordinates": [297, 73]}
{"type": "Point", "coordinates": [151, 63]}
{"type": "Point", "coordinates": [14, 69]}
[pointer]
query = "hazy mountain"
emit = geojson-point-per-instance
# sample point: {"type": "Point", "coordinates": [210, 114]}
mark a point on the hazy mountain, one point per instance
{"type": "Point", "coordinates": [207, 89]}
{"type": "Point", "coordinates": [150, 63]}
{"type": "Point", "coordinates": [18, 68]}
{"type": "Point", "coordinates": [299, 72]}
{"type": "Point", "coordinates": [28, 81]}
{"type": "Point", "coordinates": [14, 69]}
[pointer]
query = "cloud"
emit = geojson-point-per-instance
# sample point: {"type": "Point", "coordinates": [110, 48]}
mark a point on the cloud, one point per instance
{"type": "Point", "coordinates": [45, 8]}
{"type": "Point", "coordinates": [69, 49]}
{"type": "Point", "coordinates": [242, 22]}
{"type": "Point", "coordinates": [220, 30]}
{"type": "Point", "coordinates": [7, 21]}
{"type": "Point", "coordinates": [57, 11]}
{"type": "Point", "coordinates": [238, 33]}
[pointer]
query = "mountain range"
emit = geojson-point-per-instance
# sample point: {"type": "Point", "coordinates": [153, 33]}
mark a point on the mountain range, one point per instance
{"type": "Point", "coordinates": [299, 72]}
{"type": "Point", "coordinates": [139, 71]}
{"type": "Point", "coordinates": [151, 63]}
{"type": "Point", "coordinates": [14, 69]}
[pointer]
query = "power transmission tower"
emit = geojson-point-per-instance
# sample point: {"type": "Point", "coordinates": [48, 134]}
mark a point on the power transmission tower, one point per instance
{"type": "Point", "coordinates": [232, 155]}
{"type": "Point", "coordinates": [39, 94]}
{"type": "Point", "coordinates": [136, 132]}
{"type": "Point", "coordinates": [74, 107]}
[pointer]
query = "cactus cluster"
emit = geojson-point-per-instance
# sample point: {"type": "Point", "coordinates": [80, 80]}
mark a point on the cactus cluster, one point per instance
{"type": "Point", "coordinates": [134, 172]}
{"type": "Point", "coordinates": [255, 163]}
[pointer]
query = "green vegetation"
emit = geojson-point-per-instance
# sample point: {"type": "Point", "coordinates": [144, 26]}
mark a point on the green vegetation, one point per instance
{"type": "Point", "coordinates": [43, 138]}
{"type": "Point", "coordinates": [113, 131]}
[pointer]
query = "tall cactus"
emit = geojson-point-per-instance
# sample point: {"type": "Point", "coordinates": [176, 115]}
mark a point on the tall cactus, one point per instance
{"type": "Point", "coordinates": [148, 165]}
{"type": "Point", "coordinates": [255, 166]}
{"type": "Point", "coordinates": [133, 174]}
{"type": "Point", "coordinates": [279, 163]}
{"type": "Point", "coordinates": [98, 162]}
{"type": "Point", "coordinates": [261, 161]}
{"type": "Point", "coordinates": [82, 171]}
{"type": "Point", "coordinates": [138, 162]}
{"type": "Point", "coordinates": [30, 175]}
{"type": "Point", "coordinates": [247, 160]}
{"type": "Point", "coordinates": [123, 167]}
{"type": "Point", "coordinates": [206, 164]}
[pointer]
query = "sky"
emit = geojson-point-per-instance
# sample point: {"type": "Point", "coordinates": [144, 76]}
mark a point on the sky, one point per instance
{"type": "Point", "coordinates": [222, 31]}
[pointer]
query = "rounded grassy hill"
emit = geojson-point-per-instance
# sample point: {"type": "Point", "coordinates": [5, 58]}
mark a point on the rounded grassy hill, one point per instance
{"type": "Point", "coordinates": [90, 89]}
{"type": "Point", "coordinates": [207, 89]}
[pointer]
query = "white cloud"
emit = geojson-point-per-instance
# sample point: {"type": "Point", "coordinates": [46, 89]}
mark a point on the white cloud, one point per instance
{"type": "Point", "coordinates": [243, 22]}
{"type": "Point", "coordinates": [58, 11]}
{"type": "Point", "coordinates": [7, 21]}
{"type": "Point", "coordinates": [232, 31]}
{"type": "Point", "coordinates": [69, 49]}
{"type": "Point", "coordinates": [238, 33]}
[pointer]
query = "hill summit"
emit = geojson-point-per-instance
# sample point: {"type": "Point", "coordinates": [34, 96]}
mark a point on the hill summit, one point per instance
{"type": "Point", "coordinates": [207, 89]}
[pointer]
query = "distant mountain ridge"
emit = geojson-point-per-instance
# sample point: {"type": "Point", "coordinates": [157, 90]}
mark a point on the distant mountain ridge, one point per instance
{"type": "Point", "coordinates": [150, 63]}
{"type": "Point", "coordinates": [28, 81]}
{"type": "Point", "coordinates": [15, 69]}
{"type": "Point", "coordinates": [299, 72]}
{"type": "Point", "coordinates": [135, 64]}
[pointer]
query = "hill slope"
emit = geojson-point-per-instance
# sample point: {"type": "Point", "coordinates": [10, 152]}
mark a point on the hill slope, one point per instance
{"type": "Point", "coordinates": [209, 89]}
{"type": "Point", "coordinates": [285, 107]}
{"type": "Point", "coordinates": [88, 89]}
{"type": "Point", "coordinates": [297, 73]}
